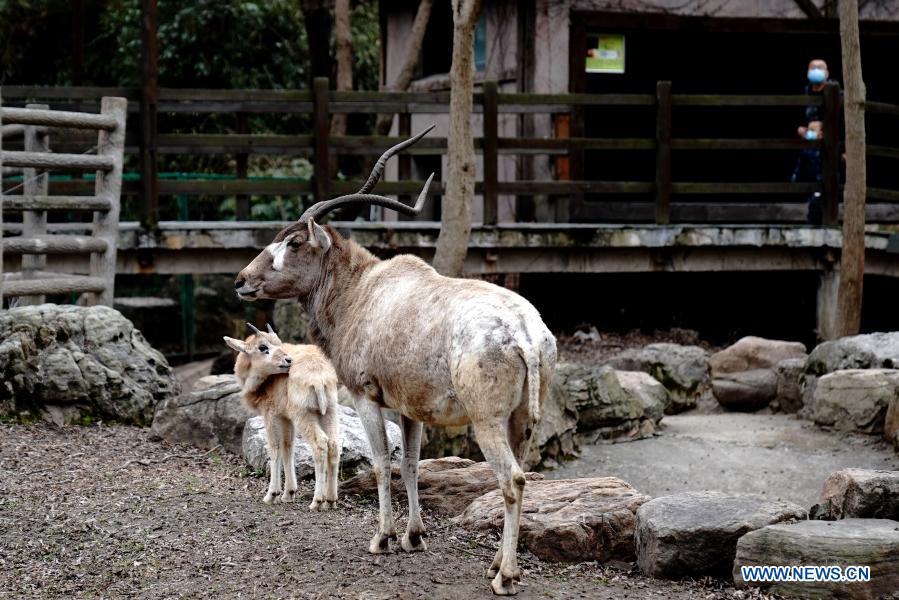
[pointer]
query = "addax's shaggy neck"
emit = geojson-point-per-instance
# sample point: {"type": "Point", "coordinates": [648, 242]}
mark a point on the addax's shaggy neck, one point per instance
{"type": "Point", "coordinates": [331, 301]}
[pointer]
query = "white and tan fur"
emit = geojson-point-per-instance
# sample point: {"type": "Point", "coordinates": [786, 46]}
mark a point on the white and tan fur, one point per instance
{"type": "Point", "coordinates": [294, 389]}
{"type": "Point", "coordinates": [439, 350]}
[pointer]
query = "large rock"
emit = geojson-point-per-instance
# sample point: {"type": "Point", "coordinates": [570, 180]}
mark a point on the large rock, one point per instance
{"type": "Point", "coordinates": [355, 452]}
{"type": "Point", "coordinates": [891, 423]}
{"type": "Point", "coordinates": [568, 519]}
{"type": "Point", "coordinates": [751, 353]}
{"type": "Point", "coordinates": [212, 414]}
{"type": "Point", "coordinates": [855, 399]}
{"type": "Point", "coordinates": [585, 404]}
{"type": "Point", "coordinates": [445, 485]}
{"type": "Point", "coordinates": [745, 390]}
{"type": "Point", "coordinates": [789, 395]}
{"type": "Point", "coordinates": [651, 394]}
{"type": "Point", "coordinates": [744, 375]}
{"type": "Point", "coordinates": [859, 493]}
{"type": "Point", "coordinates": [696, 533]}
{"type": "Point", "coordinates": [867, 351]}
{"type": "Point", "coordinates": [851, 542]}
{"type": "Point", "coordinates": [69, 362]}
{"type": "Point", "coordinates": [683, 370]}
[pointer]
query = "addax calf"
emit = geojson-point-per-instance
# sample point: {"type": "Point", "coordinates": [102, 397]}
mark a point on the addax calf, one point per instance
{"type": "Point", "coordinates": [294, 388]}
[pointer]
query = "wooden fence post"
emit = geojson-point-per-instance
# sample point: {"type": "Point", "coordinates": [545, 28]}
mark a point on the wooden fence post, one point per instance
{"type": "Point", "coordinates": [320, 131]}
{"type": "Point", "coordinates": [242, 201]}
{"type": "Point", "coordinates": [831, 163]}
{"type": "Point", "coordinates": [491, 166]}
{"type": "Point", "coordinates": [109, 187]}
{"type": "Point", "coordinates": [1, 197]}
{"type": "Point", "coordinates": [34, 222]}
{"type": "Point", "coordinates": [663, 152]}
{"type": "Point", "coordinates": [149, 102]}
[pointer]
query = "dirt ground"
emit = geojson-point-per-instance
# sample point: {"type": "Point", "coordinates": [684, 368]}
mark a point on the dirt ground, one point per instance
{"type": "Point", "coordinates": [106, 512]}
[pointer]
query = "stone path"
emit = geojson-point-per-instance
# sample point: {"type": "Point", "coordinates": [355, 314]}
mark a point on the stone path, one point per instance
{"type": "Point", "coordinates": [778, 456]}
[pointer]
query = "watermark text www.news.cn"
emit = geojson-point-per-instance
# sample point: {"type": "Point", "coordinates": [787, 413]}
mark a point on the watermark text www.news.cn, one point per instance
{"type": "Point", "coordinates": [809, 573]}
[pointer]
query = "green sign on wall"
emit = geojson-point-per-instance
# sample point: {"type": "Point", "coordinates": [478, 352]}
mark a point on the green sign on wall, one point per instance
{"type": "Point", "coordinates": [605, 53]}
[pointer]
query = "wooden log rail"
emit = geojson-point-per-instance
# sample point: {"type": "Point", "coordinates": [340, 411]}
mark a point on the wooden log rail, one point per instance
{"type": "Point", "coordinates": [36, 160]}
{"type": "Point", "coordinates": [321, 102]}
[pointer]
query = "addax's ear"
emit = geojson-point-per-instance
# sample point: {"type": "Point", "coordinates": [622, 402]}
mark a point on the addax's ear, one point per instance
{"type": "Point", "coordinates": [318, 237]}
{"type": "Point", "coordinates": [235, 344]}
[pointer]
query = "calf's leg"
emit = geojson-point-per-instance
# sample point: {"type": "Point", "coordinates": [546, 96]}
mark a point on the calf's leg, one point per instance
{"type": "Point", "coordinates": [273, 444]}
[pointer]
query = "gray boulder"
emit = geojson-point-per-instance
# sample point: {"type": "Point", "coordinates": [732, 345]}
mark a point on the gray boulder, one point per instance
{"type": "Point", "coordinates": [789, 395]}
{"type": "Point", "coordinates": [683, 370]}
{"type": "Point", "coordinates": [745, 390]}
{"type": "Point", "coordinates": [850, 542]}
{"type": "Point", "coordinates": [586, 404]}
{"type": "Point", "coordinates": [867, 351]}
{"type": "Point", "coordinates": [855, 399]}
{"type": "Point", "coordinates": [744, 375]}
{"type": "Point", "coordinates": [212, 414]}
{"type": "Point", "coordinates": [891, 423]}
{"type": "Point", "coordinates": [355, 454]}
{"type": "Point", "coordinates": [651, 394]}
{"type": "Point", "coordinates": [65, 363]}
{"type": "Point", "coordinates": [859, 493]}
{"type": "Point", "coordinates": [573, 520]}
{"type": "Point", "coordinates": [696, 533]}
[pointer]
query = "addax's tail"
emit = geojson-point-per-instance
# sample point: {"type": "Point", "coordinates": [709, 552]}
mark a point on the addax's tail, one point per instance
{"type": "Point", "coordinates": [321, 394]}
{"type": "Point", "coordinates": [532, 364]}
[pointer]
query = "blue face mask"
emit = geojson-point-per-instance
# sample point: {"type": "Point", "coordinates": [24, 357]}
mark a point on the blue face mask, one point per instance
{"type": "Point", "coordinates": [816, 76]}
{"type": "Point", "coordinates": [811, 134]}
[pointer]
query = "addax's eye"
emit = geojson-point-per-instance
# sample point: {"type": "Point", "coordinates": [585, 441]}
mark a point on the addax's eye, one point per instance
{"type": "Point", "coordinates": [263, 348]}
{"type": "Point", "coordinates": [293, 244]}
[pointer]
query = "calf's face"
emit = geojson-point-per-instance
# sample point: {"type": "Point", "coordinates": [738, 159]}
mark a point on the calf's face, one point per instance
{"type": "Point", "coordinates": [289, 267]}
{"type": "Point", "coordinates": [263, 353]}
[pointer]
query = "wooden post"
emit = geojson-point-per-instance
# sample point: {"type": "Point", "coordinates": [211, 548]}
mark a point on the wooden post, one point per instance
{"type": "Point", "coordinates": [148, 106]}
{"type": "Point", "coordinates": [109, 187]}
{"type": "Point", "coordinates": [831, 166]}
{"type": "Point", "coordinates": [663, 152]}
{"type": "Point", "coordinates": [242, 202]}
{"type": "Point", "coordinates": [1, 199]}
{"type": "Point", "coordinates": [34, 222]}
{"type": "Point", "coordinates": [320, 132]}
{"type": "Point", "coordinates": [491, 159]}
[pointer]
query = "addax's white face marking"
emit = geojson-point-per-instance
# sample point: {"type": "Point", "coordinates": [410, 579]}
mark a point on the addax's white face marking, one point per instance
{"type": "Point", "coordinates": [278, 251]}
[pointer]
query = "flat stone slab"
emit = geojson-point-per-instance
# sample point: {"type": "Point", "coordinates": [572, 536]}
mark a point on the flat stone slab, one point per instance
{"type": "Point", "coordinates": [445, 485]}
{"type": "Point", "coordinates": [567, 520]}
{"type": "Point", "coordinates": [859, 493]}
{"type": "Point", "coordinates": [696, 533]}
{"type": "Point", "coordinates": [850, 542]}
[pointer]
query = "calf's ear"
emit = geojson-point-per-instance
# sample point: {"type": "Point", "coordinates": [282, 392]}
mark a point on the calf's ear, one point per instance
{"type": "Point", "coordinates": [318, 237]}
{"type": "Point", "coordinates": [235, 344]}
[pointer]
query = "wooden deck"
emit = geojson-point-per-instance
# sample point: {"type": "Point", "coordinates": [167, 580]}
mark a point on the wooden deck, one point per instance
{"type": "Point", "coordinates": [226, 247]}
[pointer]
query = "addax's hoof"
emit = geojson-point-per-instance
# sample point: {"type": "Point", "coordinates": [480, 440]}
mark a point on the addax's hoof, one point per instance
{"type": "Point", "coordinates": [288, 496]}
{"type": "Point", "coordinates": [503, 586]}
{"type": "Point", "coordinates": [380, 544]}
{"type": "Point", "coordinates": [271, 498]}
{"type": "Point", "coordinates": [413, 543]}
{"type": "Point", "coordinates": [316, 505]}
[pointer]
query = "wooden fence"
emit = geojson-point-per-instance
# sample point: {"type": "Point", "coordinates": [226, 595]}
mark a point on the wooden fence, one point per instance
{"type": "Point", "coordinates": [655, 200]}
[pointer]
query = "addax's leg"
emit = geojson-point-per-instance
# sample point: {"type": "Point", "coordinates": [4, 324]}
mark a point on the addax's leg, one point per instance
{"type": "Point", "coordinates": [290, 471]}
{"type": "Point", "coordinates": [331, 425]}
{"type": "Point", "coordinates": [318, 443]}
{"type": "Point", "coordinates": [412, 541]}
{"type": "Point", "coordinates": [493, 439]}
{"type": "Point", "coordinates": [373, 422]}
{"type": "Point", "coordinates": [273, 444]}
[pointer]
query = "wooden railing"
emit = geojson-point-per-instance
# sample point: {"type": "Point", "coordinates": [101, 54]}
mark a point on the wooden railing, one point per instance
{"type": "Point", "coordinates": [656, 200]}
{"type": "Point", "coordinates": [35, 124]}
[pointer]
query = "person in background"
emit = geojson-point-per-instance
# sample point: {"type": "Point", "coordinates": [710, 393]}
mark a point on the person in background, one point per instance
{"type": "Point", "coordinates": [818, 78]}
{"type": "Point", "coordinates": [809, 169]}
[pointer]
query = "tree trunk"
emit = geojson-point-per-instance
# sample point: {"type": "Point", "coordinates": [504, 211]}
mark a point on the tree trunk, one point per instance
{"type": "Point", "coordinates": [414, 44]}
{"type": "Point", "coordinates": [452, 244]}
{"type": "Point", "coordinates": [852, 261]}
{"type": "Point", "coordinates": [343, 52]}
{"type": "Point", "coordinates": [317, 21]}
